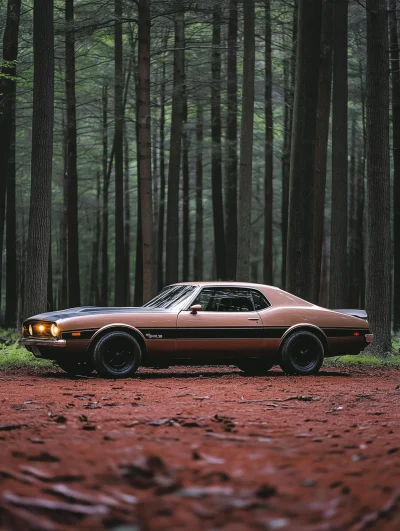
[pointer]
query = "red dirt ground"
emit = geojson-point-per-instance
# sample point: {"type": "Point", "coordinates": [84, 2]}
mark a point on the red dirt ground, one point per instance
{"type": "Point", "coordinates": [201, 449]}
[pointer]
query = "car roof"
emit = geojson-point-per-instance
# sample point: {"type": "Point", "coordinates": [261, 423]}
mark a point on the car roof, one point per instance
{"type": "Point", "coordinates": [224, 283]}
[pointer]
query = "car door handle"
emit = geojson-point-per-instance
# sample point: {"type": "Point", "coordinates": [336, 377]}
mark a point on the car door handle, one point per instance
{"type": "Point", "coordinates": [253, 318]}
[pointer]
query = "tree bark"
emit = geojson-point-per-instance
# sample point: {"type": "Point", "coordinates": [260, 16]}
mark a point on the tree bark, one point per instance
{"type": "Point", "coordinates": [285, 161]}
{"type": "Point", "coordinates": [268, 151]}
{"type": "Point", "coordinates": [172, 239]}
{"type": "Point", "coordinates": [144, 116]}
{"type": "Point", "coordinates": [41, 165]}
{"type": "Point", "coordinates": [161, 210]}
{"type": "Point", "coordinates": [395, 64]}
{"type": "Point", "coordinates": [94, 272]}
{"type": "Point", "coordinates": [338, 256]}
{"type": "Point", "coordinates": [246, 144]}
{"type": "Point", "coordinates": [127, 219]}
{"type": "Point", "coordinates": [74, 298]}
{"type": "Point", "coordinates": [378, 286]}
{"type": "Point", "coordinates": [198, 246]}
{"type": "Point", "coordinates": [216, 151]}
{"type": "Point", "coordinates": [10, 318]}
{"type": "Point", "coordinates": [322, 135]}
{"type": "Point", "coordinates": [185, 188]}
{"type": "Point", "coordinates": [119, 295]}
{"type": "Point", "coordinates": [106, 185]}
{"type": "Point", "coordinates": [50, 295]}
{"type": "Point", "coordinates": [291, 78]}
{"type": "Point", "coordinates": [300, 277]}
{"type": "Point", "coordinates": [231, 167]}
{"type": "Point", "coordinates": [7, 107]}
{"type": "Point", "coordinates": [63, 302]}
{"type": "Point", "coordinates": [356, 190]}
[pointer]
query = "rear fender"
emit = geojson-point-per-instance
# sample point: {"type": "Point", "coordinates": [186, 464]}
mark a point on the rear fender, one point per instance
{"type": "Point", "coordinates": [308, 328]}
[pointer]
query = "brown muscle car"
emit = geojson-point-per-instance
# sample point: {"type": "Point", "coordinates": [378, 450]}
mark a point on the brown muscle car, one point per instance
{"type": "Point", "coordinates": [248, 325]}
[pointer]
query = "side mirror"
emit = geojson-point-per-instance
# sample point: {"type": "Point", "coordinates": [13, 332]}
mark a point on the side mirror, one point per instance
{"type": "Point", "coordinates": [196, 308]}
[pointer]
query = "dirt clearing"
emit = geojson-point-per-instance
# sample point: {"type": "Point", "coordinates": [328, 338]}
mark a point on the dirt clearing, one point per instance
{"type": "Point", "coordinates": [201, 449]}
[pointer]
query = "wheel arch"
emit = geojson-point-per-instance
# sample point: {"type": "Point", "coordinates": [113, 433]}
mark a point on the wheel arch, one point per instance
{"type": "Point", "coordinates": [120, 327]}
{"type": "Point", "coordinates": [305, 327]}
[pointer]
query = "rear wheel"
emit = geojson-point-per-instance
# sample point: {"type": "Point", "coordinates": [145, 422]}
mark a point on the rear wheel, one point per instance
{"type": "Point", "coordinates": [81, 368]}
{"type": "Point", "coordinates": [117, 355]}
{"type": "Point", "coordinates": [302, 353]}
{"type": "Point", "coordinates": [256, 367]}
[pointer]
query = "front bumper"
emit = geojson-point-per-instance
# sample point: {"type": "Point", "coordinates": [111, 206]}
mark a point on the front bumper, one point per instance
{"type": "Point", "coordinates": [36, 342]}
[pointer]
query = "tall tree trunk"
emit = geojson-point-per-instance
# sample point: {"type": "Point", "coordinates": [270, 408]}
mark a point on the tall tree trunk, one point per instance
{"type": "Point", "coordinates": [285, 161]}
{"type": "Point", "coordinates": [106, 185]}
{"type": "Point", "coordinates": [10, 319]}
{"type": "Point", "coordinates": [291, 67]}
{"type": "Point", "coordinates": [7, 107]}
{"type": "Point", "coordinates": [300, 277]}
{"type": "Point", "coordinates": [268, 150]}
{"type": "Point", "coordinates": [74, 298]}
{"type": "Point", "coordinates": [185, 188]}
{"type": "Point", "coordinates": [231, 165]}
{"type": "Point", "coordinates": [138, 288]}
{"type": "Point", "coordinates": [216, 152]}
{"type": "Point", "coordinates": [246, 144]}
{"type": "Point", "coordinates": [119, 295]}
{"type": "Point", "coordinates": [144, 115]}
{"type": "Point", "coordinates": [41, 166]}
{"type": "Point", "coordinates": [94, 272]}
{"type": "Point", "coordinates": [64, 224]}
{"type": "Point", "coordinates": [198, 246]}
{"type": "Point", "coordinates": [185, 205]}
{"type": "Point", "coordinates": [353, 270]}
{"type": "Point", "coordinates": [161, 209]}
{"type": "Point", "coordinates": [360, 227]}
{"type": "Point", "coordinates": [127, 219]}
{"type": "Point", "coordinates": [50, 296]}
{"type": "Point", "coordinates": [395, 64]}
{"type": "Point", "coordinates": [338, 257]}
{"type": "Point", "coordinates": [322, 135]}
{"type": "Point", "coordinates": [172, 240]}
{"type": "Point", "coordinates": [378, 292]}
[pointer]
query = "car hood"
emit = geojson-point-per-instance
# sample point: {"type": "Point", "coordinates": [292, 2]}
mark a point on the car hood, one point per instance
{"type": "Point", "coordinates": [94, 310]}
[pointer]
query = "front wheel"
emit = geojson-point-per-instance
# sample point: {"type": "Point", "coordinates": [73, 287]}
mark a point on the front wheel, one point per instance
{"type": "Point", "coordinates": [302, 353]}
{"type": "Point", "coordinates": [117, 355]}
{"type": "Point", "coordinates": [255, 367]}
{"type": "Point", "coordinates": [76, 368]}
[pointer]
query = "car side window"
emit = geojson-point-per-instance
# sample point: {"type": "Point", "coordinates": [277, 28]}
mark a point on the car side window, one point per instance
{"type": "Point", "coordinates": [260, 302]}
{"type": "Point", "coordinates": [225, 300]}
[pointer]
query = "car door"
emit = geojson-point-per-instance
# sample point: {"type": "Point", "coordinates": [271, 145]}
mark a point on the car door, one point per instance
{"type": "Point", "coordinates": [227, 326]}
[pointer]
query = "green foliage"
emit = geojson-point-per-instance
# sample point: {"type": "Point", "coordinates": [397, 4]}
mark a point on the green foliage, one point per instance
{"type": "Point", "coordinates": [363, 360]}
{"type": "Point", "coordinates": [12, 356]}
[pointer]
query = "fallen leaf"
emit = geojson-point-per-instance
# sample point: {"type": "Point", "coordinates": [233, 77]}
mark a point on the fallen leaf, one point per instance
{"type": "Point", "coordinates": [9, 427]}
{"type": "Point", "coordinates": [43, 503]}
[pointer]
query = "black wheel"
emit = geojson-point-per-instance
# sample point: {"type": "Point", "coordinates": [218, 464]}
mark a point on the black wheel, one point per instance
{"type": "Point", "coordinates": [117, 355]}
{"type": "Point", "coordinates": [302, 353]}
{"type": "Point", "coordinates": [81, 368]}
{"type": "Point", "coordinates": [256, 367]}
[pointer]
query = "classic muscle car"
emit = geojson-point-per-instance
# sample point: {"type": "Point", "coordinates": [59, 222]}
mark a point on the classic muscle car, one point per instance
{"type": "Point", "coordinates": [248, 325]}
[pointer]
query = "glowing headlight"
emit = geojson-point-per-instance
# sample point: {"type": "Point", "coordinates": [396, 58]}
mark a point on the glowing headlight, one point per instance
{"type": "Point", "coordinates": [54, 330]}
{"type": "Point", "coordinates": [30, 330]}
{"type": "Point", "coordinates": [41, 328]}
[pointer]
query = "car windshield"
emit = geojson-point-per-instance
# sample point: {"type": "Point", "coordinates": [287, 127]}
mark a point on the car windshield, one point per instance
{"type": "Point", "coordinates": [171, 296]}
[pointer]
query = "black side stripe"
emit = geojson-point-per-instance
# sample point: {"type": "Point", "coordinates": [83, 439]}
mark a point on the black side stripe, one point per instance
{"type": "Point", "coordinates": [245, 332]}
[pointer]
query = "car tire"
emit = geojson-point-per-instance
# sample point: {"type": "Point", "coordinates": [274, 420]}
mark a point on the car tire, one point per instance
{"type": "Point", "coordinates": [76, 368]}
{"type": "Point", "coordinates": [256, 367]}
{"type": "Point", "coordinates": [302, 353]}
{"type": "Point", "coordinates": [117, 355]}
